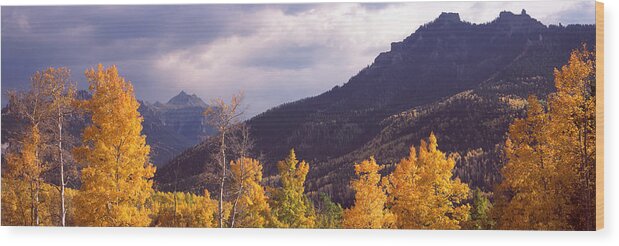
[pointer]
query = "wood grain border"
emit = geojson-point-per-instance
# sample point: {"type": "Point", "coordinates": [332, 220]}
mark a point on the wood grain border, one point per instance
{"type": "Point", "coordinates": [599, 115]}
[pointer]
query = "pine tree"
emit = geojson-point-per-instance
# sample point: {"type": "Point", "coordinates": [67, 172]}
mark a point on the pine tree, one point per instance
{"type": "Point", "coordinates": [369, 210]}
{"type": "Point", "coordinates": [329, 214]}
{"type": "Point", "coordinates": [289, 204]}
{"type": "Point", "coordinates": [423, 193]}
{"type": "Point", "coordinates": [481, 217]}
{"type": "Point", "coordinates": [116, 175]}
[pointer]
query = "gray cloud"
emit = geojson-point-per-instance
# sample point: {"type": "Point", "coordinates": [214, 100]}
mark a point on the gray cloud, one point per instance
{"type": "Point", "coordinates": [286, 57]}
{"type": "Point", "coordinates": [275, 52]}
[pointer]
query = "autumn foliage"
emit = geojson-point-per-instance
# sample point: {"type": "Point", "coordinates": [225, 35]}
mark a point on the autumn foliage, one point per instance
{"type": "Point", "coordinates": [423, 193]}
{"type": "Point", "coordinates": [34, 155]}
{"type": "Point", "coordinates": [180, 209]}
{"type": "Point", "coordinates": [369, 211]}
{"type": "Point", "coordinates": [250, 207]}
{"type": "Point", "coordinates": [116, 175]}
{"type": "Point", "coordinates": [420, 193]}
{"type": "Point", "coordinates": [548, 180]}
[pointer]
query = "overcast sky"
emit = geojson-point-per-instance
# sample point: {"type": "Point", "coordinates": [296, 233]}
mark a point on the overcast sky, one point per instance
{"type": "Point", "coordinates": [275, 53]}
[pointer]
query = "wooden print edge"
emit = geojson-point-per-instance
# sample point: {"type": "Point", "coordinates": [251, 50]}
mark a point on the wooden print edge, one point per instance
{"type": "Point", "coordinates": [599, 117]}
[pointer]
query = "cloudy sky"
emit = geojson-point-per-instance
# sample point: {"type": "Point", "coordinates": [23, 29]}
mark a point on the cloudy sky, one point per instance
{"type": "Point", "coordinates": [275, 53]}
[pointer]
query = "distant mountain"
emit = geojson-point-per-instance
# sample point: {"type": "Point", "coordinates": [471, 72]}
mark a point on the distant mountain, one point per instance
{"type": "Point", "coordinates": [174, 126]}
{"type": "Point", "coordinates": [463, 81]}
{"type": "Point", "coordinates": [164, 142]}
{"type": "Point", "coordinates": [185, 100]}
{"type": "Point", "coordinates": [170, 128]}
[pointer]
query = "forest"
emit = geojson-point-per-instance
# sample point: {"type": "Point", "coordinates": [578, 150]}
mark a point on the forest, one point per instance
{"type": "Point", "coordinates": [106, 177]}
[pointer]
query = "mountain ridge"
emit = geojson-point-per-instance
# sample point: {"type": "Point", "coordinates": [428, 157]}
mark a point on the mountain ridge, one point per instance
{"type": "Point", "coordinates": [454, 70]}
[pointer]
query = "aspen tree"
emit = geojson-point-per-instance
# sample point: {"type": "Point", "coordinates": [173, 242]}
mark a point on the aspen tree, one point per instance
{"type": "Point", "coordinates": [62, 95]}
{"type": "Point", "coordinates": [369, 210]}
{"type": "Point", "coordinates": [572, 113]}
{"type": "Point", "coordinates": [49, 95]}
{"type": "Point", "coordinates": [423, 193]}
{"type": "Point", "coordinates": [224, 116]}
{"type": "Point", "coordinates": [549, 178]}
{"type": "Point", "coordinates": [116, 178]}
{"type": "Point", "coordinates": [250, 208]}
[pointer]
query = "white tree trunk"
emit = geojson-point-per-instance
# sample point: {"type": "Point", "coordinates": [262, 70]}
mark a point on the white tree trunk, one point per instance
{"type": "Point", "coordinates": [223, 179]}
{"type": "Point", "coordinates": [63, 211]}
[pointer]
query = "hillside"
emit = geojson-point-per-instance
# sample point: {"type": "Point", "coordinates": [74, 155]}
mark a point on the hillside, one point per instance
{"type": "Point", "coordinates": [461, 80]}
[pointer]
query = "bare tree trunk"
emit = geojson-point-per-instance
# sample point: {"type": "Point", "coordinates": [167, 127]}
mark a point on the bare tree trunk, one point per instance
{"type": "Point", "coordinates": [222, 116]}
{"type": "Point", "coordinates": [585, 167]}
{"type": "Point", "coordinates": [32, 204]}
{"type": "Point", "coordinates": [45, 98]}
{"type": "Point", "coordinates": [236, 201]}
{"type": "Point", "coordinates": [36, 207]}
{"type": "Point", "coordinates": [63, 211]}
{"type": "Point", "coordinates": [241, 145]}
{"type": "Point", "coordinates": [223, 178]}
{"type": "Point", "coordinates": [36, 191]}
